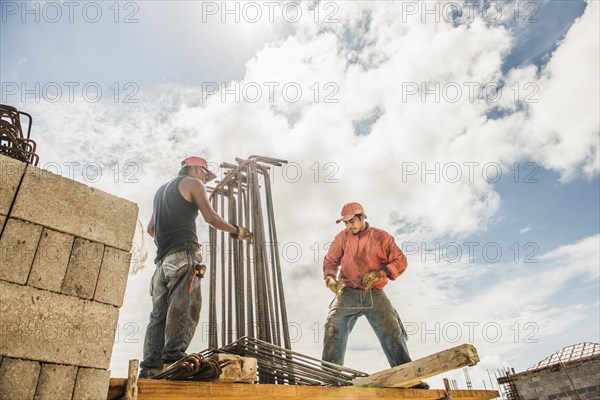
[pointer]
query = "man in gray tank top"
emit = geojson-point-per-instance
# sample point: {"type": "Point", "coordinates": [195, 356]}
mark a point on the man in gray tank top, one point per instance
{"type": "Point", "coordinates": [176, 299]}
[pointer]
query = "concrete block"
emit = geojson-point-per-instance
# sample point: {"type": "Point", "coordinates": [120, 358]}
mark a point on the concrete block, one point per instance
{"type": "Point", "coordinates": [18, 379]}
{"type": "Point", "coordinates": [18, 244]}
{"type": "Point", "coordinates": [64, 205]}
{"type": "Point", "coordinates": [91, 384]}
{"type": "Point", "coordinates": [240, 369]}
{"type": "Point", "coordinates": [591, 395]}
{"type": "Point", "coordinates": [51, 260]}
{"type": "Point", "coordinates": [113, 276]}
{"type": "Point", "coordinates": [83, 269]}
{"type": "Point", "coordinates": [56, 382]}
{"type": "Point", "coordinates": [51, 327]}
{"type": "Point", "coordinates": [11, 172]}
{"type": "Point", "coordinates": [579, 382]}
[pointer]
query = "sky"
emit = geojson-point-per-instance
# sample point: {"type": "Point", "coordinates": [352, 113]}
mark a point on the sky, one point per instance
{"type": "Point", "coordinates": [468, 130]}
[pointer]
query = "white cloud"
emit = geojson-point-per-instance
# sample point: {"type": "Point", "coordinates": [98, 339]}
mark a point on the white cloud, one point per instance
{"type": "Point", "coordinates": [563, 126]}
{"type": "Point", "coordinates": [525, 229]}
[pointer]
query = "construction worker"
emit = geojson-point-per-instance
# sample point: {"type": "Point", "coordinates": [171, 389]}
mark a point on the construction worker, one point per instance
{"type": "Point", "coordinates": [175, 286]}
{"type": "Point", "coordinates": [357, 266]}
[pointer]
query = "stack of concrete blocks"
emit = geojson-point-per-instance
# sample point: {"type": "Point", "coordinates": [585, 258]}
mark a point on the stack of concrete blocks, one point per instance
{"type": "Point", "coordinates": [64, 262]}
{"type": "Point", "coordinates": [574, 380]}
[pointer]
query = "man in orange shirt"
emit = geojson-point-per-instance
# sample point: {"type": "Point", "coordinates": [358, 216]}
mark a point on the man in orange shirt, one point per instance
{"type": "Point", "coordinates": [357, 266]}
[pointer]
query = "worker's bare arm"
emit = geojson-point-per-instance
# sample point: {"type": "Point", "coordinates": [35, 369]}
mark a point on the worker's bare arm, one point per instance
{"type": "Point", "coordinates": [193, 190]}
{"type": "Point", "coordinates": [150, 228]}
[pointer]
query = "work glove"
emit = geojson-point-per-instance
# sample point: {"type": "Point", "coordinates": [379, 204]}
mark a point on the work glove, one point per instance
{"type": "Point", "coordinates": [242, 233]}
{"type": "Point", "coordinates": [372, 277]}
{"type": "Point", "coordinates": [333, 284]}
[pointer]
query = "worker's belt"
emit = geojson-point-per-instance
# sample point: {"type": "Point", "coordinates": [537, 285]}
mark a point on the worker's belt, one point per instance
{"type": "Point", "coordinates": [194, 256]}
{"type": "Point", "coordinates": [358, 288]}
{"type": "Point", "coordinates": [188, 247]}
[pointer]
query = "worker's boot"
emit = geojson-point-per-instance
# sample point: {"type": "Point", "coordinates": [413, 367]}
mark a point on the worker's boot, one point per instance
{"type": "Point", "coordinates": [148, 373]}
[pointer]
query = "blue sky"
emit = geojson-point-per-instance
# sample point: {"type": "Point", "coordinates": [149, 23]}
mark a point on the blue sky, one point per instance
{"type": "Point", "coordinates": [362, 120]}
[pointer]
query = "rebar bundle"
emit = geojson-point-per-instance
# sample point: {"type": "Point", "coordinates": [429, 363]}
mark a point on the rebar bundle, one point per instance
{"type": "Point", "coordinates": [251, 301]}
{"type": "Point", "coordinates": [13, 142]}
{"type": "Point", "coordinates": [283, 366]}
{"type": "Point", "coordinates": [194, 367]}
{"type": "Point", "coordinates": [275, 364]}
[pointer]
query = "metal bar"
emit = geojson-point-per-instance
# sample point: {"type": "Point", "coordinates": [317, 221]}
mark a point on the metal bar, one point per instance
{"type": "Point", "coordinates": [212, 313]}
{"type": "Point", "coordinates": [223, 294]}
{"type": "Point", "coordinates": [252, 286]}
{"type": "Point", "coordinates": [280, 359]}
{"type": "Point", "coordinates": [276, 261]}
{"type": "Point", "coordinates": [230, 266]}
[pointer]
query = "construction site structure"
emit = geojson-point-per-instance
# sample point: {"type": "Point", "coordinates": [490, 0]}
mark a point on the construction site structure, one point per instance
{"type": "Point", "coordinates": [572, 373]}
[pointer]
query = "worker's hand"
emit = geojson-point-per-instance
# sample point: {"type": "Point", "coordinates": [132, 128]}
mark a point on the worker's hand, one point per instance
{"type": "Point", "coordinates": [372, 277]}
{"type": "Point", "coordinates": [242, 233]}
{"type": "Point", "coordinates": [333, 284]}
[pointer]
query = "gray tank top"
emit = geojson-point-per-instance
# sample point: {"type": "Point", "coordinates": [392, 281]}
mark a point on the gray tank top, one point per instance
{"type": "Point", "coordinates": [174, 218]}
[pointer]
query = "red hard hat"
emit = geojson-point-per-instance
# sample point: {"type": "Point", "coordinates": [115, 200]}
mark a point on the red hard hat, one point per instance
{"type": "Point", "coordinates": [198, 162]}
{"type": "Point", "coordinates": [350, 210]}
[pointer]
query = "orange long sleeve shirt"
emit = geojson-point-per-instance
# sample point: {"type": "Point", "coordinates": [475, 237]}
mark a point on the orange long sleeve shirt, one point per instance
{"type": "Point", "coordinates": [369, 250]}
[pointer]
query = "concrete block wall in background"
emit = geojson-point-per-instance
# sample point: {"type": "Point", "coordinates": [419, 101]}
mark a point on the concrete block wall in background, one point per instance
{"type": "Point", "coordinates": [64, 262]}
{"type": "Point", "coordinates": [576, 380]}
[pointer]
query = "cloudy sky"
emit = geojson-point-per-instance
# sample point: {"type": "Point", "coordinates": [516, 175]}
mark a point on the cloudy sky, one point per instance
{"type": "Point", "coordinates": [468, 130]}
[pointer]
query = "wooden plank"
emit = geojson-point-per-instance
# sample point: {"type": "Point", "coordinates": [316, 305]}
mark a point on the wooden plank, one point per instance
{"type": "Point", "coordinates": [116, 388]}
{"type": "Point", "coordinates": [149, 389]}
{"type": "Point", "coordinates": [407, 375]}
{"type": "Point", "coordinates": [131, 390]}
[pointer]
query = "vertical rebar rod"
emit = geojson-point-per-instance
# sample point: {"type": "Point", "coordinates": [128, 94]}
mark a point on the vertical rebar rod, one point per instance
{"type": "Point", "coordinates": [223, 294]}
{"type": "Point", "coordinates": [212, 313]}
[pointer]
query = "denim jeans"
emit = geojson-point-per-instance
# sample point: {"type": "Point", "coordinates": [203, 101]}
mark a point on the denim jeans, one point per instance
{"type": "Point", "coordinates": [175, 311]}
{"type": "Point", "coordinates": [382, 316]}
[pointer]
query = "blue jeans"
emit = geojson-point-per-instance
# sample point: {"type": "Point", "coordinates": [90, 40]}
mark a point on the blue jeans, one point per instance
{"type": "Point", "coordinates": [382, 316]}
{"type": "Point", "coordinates": [175, 311]}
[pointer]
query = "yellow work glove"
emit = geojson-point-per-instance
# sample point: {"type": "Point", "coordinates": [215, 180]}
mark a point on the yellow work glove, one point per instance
{"type": "Point", "coordinates": [333, 284]}
{"type": "Point", "coordinates": [242, 233]}
{"type": "Point", "coordinates": [372, 277]}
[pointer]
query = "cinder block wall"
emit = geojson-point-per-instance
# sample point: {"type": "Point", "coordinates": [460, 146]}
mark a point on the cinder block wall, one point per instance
{"type": "Point", "coordinates": [576, 381]}
{"type": "Point", "coordinates": [64, 262]}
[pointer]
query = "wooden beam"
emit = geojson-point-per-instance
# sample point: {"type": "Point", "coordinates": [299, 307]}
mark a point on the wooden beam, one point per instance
{"type": "Point", "coordinates": [410, 374]}
{"type": "Point", "coordinates": [149, 389]}
{"type": "Point", "coordinates": [131, 390]}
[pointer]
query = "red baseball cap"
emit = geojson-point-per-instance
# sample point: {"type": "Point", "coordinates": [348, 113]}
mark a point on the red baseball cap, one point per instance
{"type": "Point", "coordinates": [350, 210]}
{"type": "Point", "coordinates": [199, 162]}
